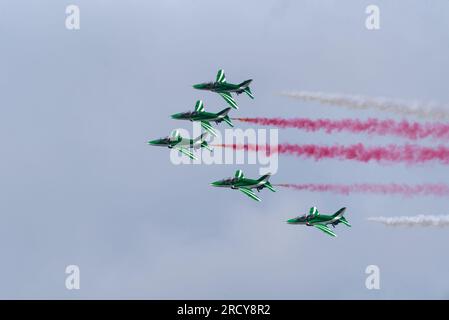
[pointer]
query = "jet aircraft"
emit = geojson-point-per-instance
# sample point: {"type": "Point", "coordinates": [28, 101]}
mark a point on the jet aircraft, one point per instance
{"type": "Point", "coordinates": [245, 185]}
{"type": "Point", "coordinates": [225, 89]}
{"type": "Point", "coordinates": [174, 140]}
{"type": "Point", "coordinates": [199, 114]}
{"type": "Point", "coordinates": [321, 221]}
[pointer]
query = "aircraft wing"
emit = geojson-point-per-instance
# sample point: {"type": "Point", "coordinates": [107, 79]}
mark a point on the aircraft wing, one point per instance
{"type": "Point", "coordinates": [199, 106]}
{"type": "Point", "coordinates": [325, 229]}
{"type": "Point", "coordinates": [187, 153]}
{"type": "Point", "coordinates": [229, 99]}
{"type": "Point", "coordinates": [208, 127]}
{"type": "Point", "coordinates": [250, 194]}
{"type": "Point", "coordinates": [221, 77]}
{"type": "Point", "coordinates": [270, 187]}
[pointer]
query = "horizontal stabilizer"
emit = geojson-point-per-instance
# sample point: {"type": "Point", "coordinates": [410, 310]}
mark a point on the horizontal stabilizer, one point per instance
{"type": "Point", "coordinates": [270, 187]}
{"type": "Point", "coordinates": [344, 221]}
{"type": "Point", "coordinates": [205, 145]}
{"type": "Point", "coordinates": [228, 121]}
{"type": "Point", "coordinates": [247, 90]}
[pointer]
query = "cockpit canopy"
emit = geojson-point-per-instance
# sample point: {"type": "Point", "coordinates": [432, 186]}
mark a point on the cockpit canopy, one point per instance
{"type": "Point", "coordinates": [189, 113]}
{"type": "Point", "coordinates": [229, 180]}
{"type": "Point", "coordinates": [209, 84]}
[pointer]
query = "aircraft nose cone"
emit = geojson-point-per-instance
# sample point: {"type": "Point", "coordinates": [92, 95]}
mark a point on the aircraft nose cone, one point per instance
{"type": "Point", "coordinates": [176, 116]}
{"type": "Point", "coordinates": [198, 86]}
{"type": "Point", "coordinates": [153, 142]}
{"type": "Point", "coordinates": [291, 220]}
{"type": "Point", "coordinates": [215, 184]}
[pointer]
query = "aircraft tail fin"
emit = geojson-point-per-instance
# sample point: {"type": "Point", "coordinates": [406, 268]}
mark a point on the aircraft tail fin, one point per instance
{"type": "Point", "coordinates": [342, 219]}
{"type": "Point", "coordinates": [245, 87]}
{"type": "Point", "coordinates": [267, 184]}
{"type": "Point", "coordinates": [265, 177]}
{"type": "Point", "coordinates": [245, 84]}
{"type": "Point", "coordinates": [226, 117]}
{"type": "Point", "coordinates": [202, 137]}
{"type": "Point", "coordinates": [224, 111]}
{"type": "Point", "coordinates": [340, 212]}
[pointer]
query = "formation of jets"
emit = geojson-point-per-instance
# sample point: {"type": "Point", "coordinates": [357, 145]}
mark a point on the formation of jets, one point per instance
{"type": "Point", "coordinates": [224, 89]}
{"type": "Point", "coordinates": [239, 181]}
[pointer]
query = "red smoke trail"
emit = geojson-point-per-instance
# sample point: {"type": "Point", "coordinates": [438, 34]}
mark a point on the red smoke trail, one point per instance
{"type": "Point", "coordinates": [410, 154]}
{"type": "Point", "coordinates": [405, 129]}
{"type": "Point", "coordinates": [440, 190]}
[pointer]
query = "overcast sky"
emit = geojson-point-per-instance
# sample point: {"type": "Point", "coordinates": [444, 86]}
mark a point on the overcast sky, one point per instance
{"type": "Point", "coordinates": [80, 186]}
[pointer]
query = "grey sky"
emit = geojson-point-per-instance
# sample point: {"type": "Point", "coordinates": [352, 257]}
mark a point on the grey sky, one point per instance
{"type": "Point", "coordinates": [80, 186]}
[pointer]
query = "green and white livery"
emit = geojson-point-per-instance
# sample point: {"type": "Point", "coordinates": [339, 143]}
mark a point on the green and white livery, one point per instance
{"type": "Point", "coordinates": [199, 114]}
{"type": "Point", "coordinates": [225, 89]}
{"type": "Point", "coordinates": [321, 221]}
{"type": "Point", "coordinates": [245, 185]}
{"type": "Point", "coordinates": [183, 145]}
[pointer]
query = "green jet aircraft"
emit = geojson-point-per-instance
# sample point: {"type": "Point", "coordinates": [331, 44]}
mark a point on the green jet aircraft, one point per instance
{"type": "Point", "coordinates": [320, 221]}
{"type": "Point", "coordinates": [225, 89]}
{"type": "Point", "coordinates": [204, 117]}
{"type": "Point", "coordinates": [182, 144]}
{"type": "Point", "coordinates": [245, 185]}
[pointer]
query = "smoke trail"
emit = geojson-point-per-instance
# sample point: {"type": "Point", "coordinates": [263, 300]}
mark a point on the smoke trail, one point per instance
{"type": "Point", "coordinates": [420, 220]}
{"type": "Point", "coordinates": [404, 129]}
{"type": "Point", "coordinates": [439, 190]}
{"type": "Point", "coordinates": [401, 107]}
{"type": "Point", "coordinates": [410, 154]}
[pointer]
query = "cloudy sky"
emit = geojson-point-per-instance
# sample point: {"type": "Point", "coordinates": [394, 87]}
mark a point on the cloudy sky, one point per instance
{"type": "Point", "coordinates": [80, 186]}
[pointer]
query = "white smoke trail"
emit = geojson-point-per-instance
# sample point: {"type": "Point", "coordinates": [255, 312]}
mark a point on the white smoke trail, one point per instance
{"type": "Point", "coordinates": [428, 110]}
{"type": "Point", "coordinates": [420, 220]}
